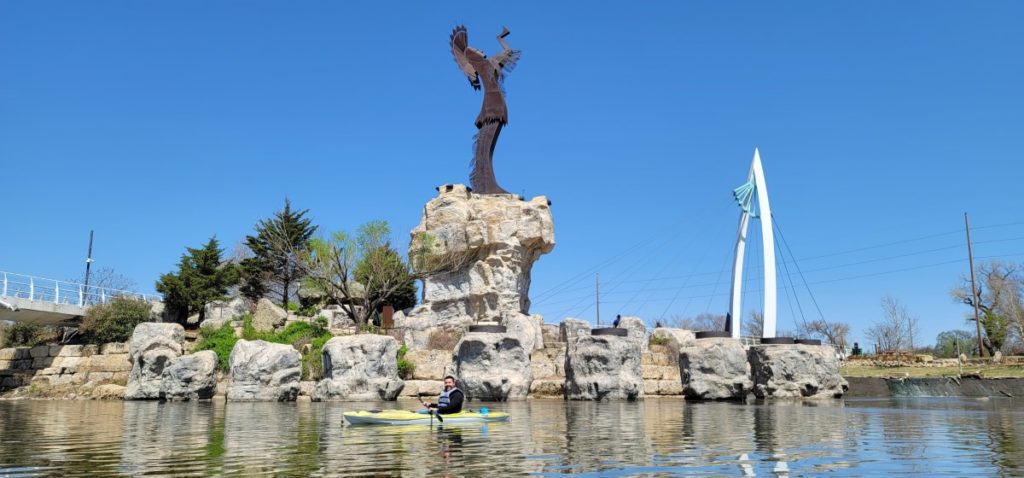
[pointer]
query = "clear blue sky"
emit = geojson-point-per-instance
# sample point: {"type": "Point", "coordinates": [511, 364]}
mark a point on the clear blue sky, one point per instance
{"type": "Point", "coordinates": [161, 124]}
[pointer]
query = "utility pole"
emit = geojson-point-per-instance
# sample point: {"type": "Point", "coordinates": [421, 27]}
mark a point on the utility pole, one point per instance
{"type": "Point", "coordinates": [974, 288]}
{"type": "Point", "coordinates": [597, 296]}
{"type": "Point", "coordinates": [88, 265]}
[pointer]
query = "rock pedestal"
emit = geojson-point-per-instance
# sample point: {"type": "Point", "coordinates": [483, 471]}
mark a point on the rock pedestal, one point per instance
{"type": "Point", "coordinates": [152, 348]}
{"type": "Point", "coordinates": [477, 252]}
{"type": "Point", "coordinates": [190, 377]}
{"type": "Point", "coordinates": [603, 367]}
{"type": "Point", "coordinates": [635, 330]}
{"type": "Point", "coordinates": [359, 367]}
{"type": "Point", "coordinates": [492, 366]}
{"type": "Point", "coordinates": [795, 371]}
{"type": "Point", "coordinates": [715, 369]}
{"type": "Point", "coordinates": [569, 329]}
{"type": "Point", "coordinates": [221, 312]}
{"type": "Point", "coordinates": [263, 371]}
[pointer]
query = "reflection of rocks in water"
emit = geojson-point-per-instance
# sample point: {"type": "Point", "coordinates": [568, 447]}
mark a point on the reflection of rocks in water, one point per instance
{"type": "Point", "coordinates": [663, 418]}
{"type": "Point", "coordinates": [164, 438]}
{"type": "Point", "coordinates": [1006, 436]}
{"type": "Point", "coordinates": [601, 434]}
{"type": "Point", "coordinates": [42, 433]}
{"type": "Point", "coordinates": [782, 431]}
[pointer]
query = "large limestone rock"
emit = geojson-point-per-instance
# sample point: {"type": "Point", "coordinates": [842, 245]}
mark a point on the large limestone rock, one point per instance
{"type": "Point", "coordinates": [268, 316]}
{"type": "Point", "coordinates": [570, 328]}
{"type": "Point", "coordinates": [152, 348]}
{"type": "Point", "coordinates": [430, 364]}
{"type": "Point", "coordinates": [492, 366]}
{"type": "Point", "coordinates": [264, 371]}
{"type": "Point", "coordinates": [800, 371]}
{"type": "Point", "coordinates": [603, 367]}
{"type": "Point", "coordinates": [218, 313]}
{"type": "Point", "coordinates": [481, 249]}
{"type": "Point", "coordinates": [674, 338]}
{"type": "Point", "coordinates": [636, 330]}
{"type": "Point", "coordinates": [529, 330]}
{"type": "Point", "coordinates": [715, 369]}
{"type": "Point", "coordinates": [359, 367]}
{"type": "Point", "coordinates": [190, 377]}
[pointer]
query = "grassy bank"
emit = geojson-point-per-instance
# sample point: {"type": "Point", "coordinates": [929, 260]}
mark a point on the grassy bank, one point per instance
{"type": "Point", "coordinates": [853, 369]}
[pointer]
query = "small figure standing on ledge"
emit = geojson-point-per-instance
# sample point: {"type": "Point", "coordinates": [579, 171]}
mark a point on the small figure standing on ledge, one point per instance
{"type": "Point", "coordinates": [618, 318]}
{"type": "Point", "coordinates": [489, 72]}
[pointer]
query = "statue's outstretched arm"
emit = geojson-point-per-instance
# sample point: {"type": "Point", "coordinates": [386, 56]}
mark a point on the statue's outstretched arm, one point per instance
{"type": "Point", "coordinates": [508, 57]}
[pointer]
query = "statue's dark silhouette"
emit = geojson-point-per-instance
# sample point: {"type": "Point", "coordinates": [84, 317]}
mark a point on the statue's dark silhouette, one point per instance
{"type": "Point", "coordinates": [488, 72]}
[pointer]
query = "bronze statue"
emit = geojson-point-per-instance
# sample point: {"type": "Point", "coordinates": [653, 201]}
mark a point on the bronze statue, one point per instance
{"type": "Point", "coordinates": [488, 72]}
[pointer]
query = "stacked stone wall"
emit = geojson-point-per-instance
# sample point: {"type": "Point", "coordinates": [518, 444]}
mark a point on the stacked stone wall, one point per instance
{"type": "Point", "coordinates": [62, 371]}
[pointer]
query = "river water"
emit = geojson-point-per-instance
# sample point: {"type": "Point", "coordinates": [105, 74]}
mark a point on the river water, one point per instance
{"type": "Point", "coordinates": [656, 437]}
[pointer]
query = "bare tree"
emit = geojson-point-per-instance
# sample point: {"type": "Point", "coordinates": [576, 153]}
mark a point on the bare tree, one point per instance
{"type": "Point", "coordinates": [108, 278]}
{"type": "Point", "coordinates": [835, 333]}
{"type": "Point", "coordinates": [754, 326]}
{"type": "Point", "coordinates": [704, 321]}
{"type": "Point", "coordinates": [1000, 301]}
{"type": "Point", "coordinates": [896, 331]}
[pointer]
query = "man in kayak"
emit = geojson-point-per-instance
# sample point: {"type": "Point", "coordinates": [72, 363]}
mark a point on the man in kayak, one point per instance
{"type": "Point", "coordinates": [450, 400]}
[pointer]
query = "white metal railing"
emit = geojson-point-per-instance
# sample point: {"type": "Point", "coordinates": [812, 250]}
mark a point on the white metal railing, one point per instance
{"type": "Point", "coordinates": [61, 292]}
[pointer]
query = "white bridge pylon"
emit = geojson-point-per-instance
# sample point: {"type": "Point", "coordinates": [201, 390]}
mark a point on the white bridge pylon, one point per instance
{"type": "Point", "coordinates": [745, 195]}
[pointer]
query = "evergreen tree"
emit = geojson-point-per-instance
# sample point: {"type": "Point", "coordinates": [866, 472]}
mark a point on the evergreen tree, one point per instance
{"type": "Point", "coordinates": [278, 243]}
{"type": "Point", "coordinates": [202, 277]}
{"type": "Point", "coordinates": [254, 274]}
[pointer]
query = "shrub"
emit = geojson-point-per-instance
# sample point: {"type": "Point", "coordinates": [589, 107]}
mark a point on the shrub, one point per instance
{"type": "Point", "coordinates": [405, 367]}
{"type": "Point", "coordinates": [659, 340]}
{"type": "Point", "coordinates": [443, 339]}
{"type": "Point", "coordinates": [113, 321]}
{"type": "Point", "coordinates": [21, 335]}
{"type": "Point", "coordinates": [312, 360]}
{"type": "Point", "coordinates": [221, 341]}
{"type": "Point", "coordinates": [307, 311]}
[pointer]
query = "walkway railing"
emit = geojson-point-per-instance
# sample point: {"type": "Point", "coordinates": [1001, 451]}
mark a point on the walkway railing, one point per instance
{"type": "Point", "coordinates": [61, 292]}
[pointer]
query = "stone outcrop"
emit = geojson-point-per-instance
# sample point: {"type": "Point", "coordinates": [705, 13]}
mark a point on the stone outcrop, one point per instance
{"type": "Point", "coordinates": [152, 348]}
{"type": "Point", "coordinates": [636, 329]}
{"type": "Point", "coordinates": [674, 338]}
{"type": "Point", "coordinates": [715, 369]}
{"type": "Point", "coordinates": [430, 364]}
{"type": "Point", "coordinates": [359, 367]}
{"type": "Point", "coordinates": [264, 371]}
{"type": "Point", "coordinates": [603, 367]}
{"type": "Point", "coordinates": [477, 252]}
{"type": "Point", "coordinates": [218, 313]}
{"type": "Point", "coordinates": [528, 330]}
{"type": "Point", "coordinates": [795, 371]}
{"type": "Point", "coordinates": [190, 377]}
{"type": "Point", "coordinates": [268, 316]}
{"type": "Point", "coordinates": [492, 366]}
{"type": "Point", "coordinates": [570, 328]}
{"type": "Point", "coordinates": [548, 368]}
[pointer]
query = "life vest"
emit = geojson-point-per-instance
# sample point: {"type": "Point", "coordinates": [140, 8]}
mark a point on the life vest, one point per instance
{"type": "Point", "coordinates": [444, 399]}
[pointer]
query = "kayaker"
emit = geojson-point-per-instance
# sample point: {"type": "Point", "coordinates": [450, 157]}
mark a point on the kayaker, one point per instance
{"type": "Point", "coordinates": [450, 400]}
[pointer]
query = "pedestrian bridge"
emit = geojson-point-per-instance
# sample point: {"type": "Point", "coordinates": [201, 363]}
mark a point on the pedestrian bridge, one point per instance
{"type": "Point", "coordinates": [42, 301]}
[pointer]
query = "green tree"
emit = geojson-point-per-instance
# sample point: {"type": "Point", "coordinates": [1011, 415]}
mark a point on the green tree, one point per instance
{"type": "Point", "coordinates": [202, 277]}
{"type": "Point", "coordinates": [335, 266]}
{"type": "Point", "coordinates": [946, 343]}
{"type": "Point", "coordinates": [21, 334]}
{"type": "Point", "coordinates": [1000, 286]}
{"type": "Point", "coordinates": [253, 275]}
{"type": "Point", "coordinates": [278, 243]}
{"type": "Point", "coordinates": [381, 267]}
{"type": "Point", "coordinates": [113, 321]}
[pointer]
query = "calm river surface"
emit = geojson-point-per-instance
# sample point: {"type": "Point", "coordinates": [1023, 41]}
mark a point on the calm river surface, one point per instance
{"type": "Point", "coordinates": [657, 437]}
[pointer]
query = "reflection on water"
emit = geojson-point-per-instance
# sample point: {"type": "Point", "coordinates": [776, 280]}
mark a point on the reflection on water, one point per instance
{"type": "Point", "coordinates": [660, 437]}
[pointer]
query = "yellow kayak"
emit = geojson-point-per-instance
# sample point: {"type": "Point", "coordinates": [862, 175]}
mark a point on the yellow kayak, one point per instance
{"type": "Point", "coordinates": [405, 417]}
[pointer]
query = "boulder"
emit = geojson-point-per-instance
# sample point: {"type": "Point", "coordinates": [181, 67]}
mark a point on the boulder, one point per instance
{"type": "Point", "coordinates": [218, 313]}
{"type": "Point", "coordinates": [427, 332]}
{"type": "Point", "coordinates": [108, 391]}
{"type": "Point", "coordinates": [359, 367]}
{"type": "Point", "coordinates": [527, 329]}
{"type": "Point", "coordinates": [190, 377]}
{"type": "Point", "coordinates": [569, 328]}
{"type": "Point", "coordinates": [477, 252]}
{"type": "Point", "coordinates": [795, 371]}
{"type": "Point", "coordinates": [636, 329]}
{"type": "Point", "coordinates": [674, 338]}
{"type": "Point", "coordinates": [492, 366]}
{"type": "Point", "coordinates": [603, 367]}
{"type": "Point", "coordinates": [264, 371]}
{"type": "Point", "coordinates": [715, 369]}
{"type": "Point", "coordinates": [550, 333]}
{"type": "Point", "coordinates": [151, 349]}
{"type": "Point", "coordinates": [268, 316]}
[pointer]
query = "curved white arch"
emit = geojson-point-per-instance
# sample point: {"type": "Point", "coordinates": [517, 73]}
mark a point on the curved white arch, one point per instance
{"type": "Point", "coordinates": [755, 178]}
